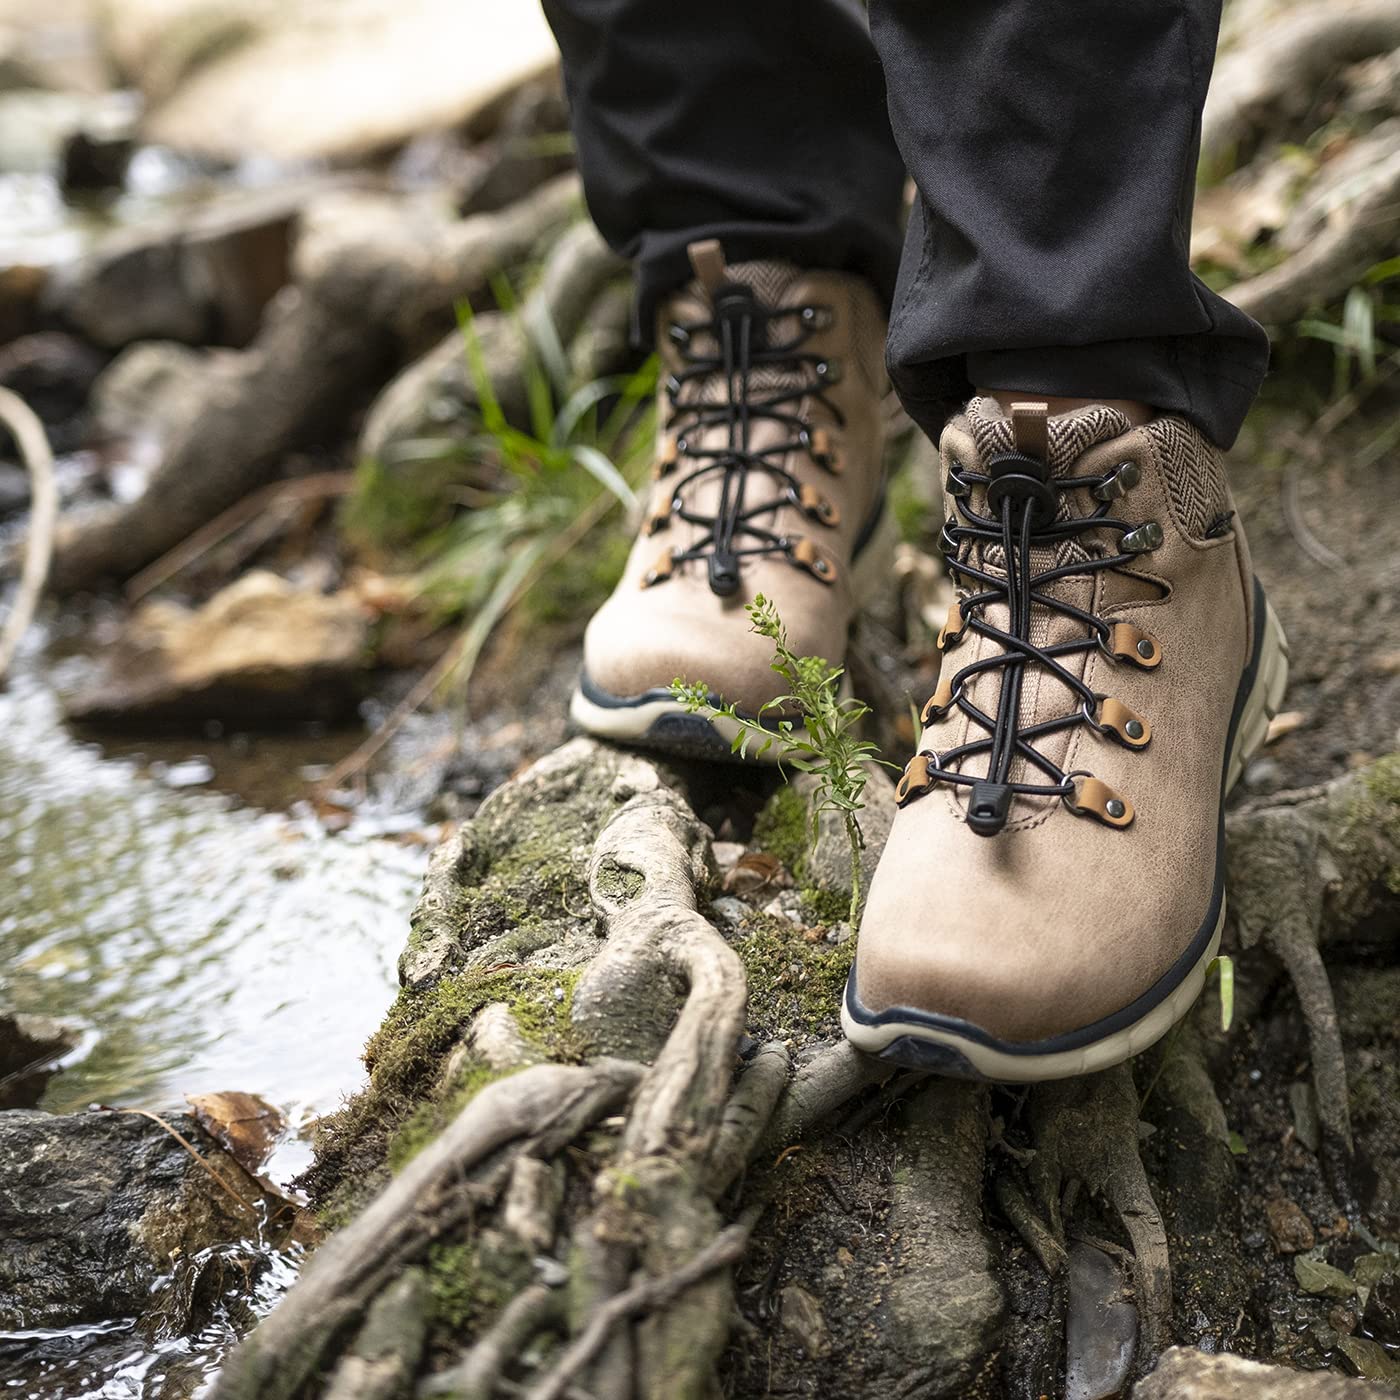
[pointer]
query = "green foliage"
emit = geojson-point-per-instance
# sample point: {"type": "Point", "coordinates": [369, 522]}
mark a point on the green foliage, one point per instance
{"type": "Point", "coordinates": [1358, 339]}
{"type": "Point", "coordinates": [510, 511]}
{"type": "Point", "coordinates": [826, 744]}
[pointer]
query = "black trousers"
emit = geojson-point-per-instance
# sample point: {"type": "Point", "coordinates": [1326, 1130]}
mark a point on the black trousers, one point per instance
{"type": "Point", "coordinates": [1052, 143]}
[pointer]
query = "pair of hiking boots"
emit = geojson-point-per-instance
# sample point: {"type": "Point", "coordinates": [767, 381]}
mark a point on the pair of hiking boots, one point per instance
{"type": "Point", "coordinates": [1051, 892]}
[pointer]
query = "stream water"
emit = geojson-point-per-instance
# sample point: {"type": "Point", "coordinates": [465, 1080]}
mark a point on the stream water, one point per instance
{"type": "Point", "coordinates": [203, 945]}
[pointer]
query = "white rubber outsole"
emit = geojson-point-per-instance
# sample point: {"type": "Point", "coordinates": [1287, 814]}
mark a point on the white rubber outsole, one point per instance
{"type": "Point", "coordinates": [1003, 1066]}
{"type": "Point", "coordinates": [635, 724]}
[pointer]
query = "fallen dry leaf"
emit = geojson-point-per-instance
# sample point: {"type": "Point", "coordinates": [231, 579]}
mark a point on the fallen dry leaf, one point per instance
{"type": "Point", "coordinates": [755, 872]}
{"type": "Point", "coordinates": [245, 1126]}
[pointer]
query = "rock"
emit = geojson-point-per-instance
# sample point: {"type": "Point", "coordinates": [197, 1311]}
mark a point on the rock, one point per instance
{"type": "Point", "coordinates": [54, 374]}
{"type": "Point", "coordinates": [800, 1316]}
{"type": "Point", "coordinates": [1101, 1327]}
{"type": "Point", "coordinates": [306, 79]}
{"type": "Point", "coordinates": [94, 161]}
{"type": "Point", "coordinates": [14, 489]}
{"type": "Point", "coordinates": [261, 652]}
{"type": "Point", "coordinates": [20, 289]}
{"type": "Point", "coordinates": [201, 276]}
{"type": "Point", "coordinates": [1316, 1276]}
{"type": "Point", "coordinates": [107, 1216]}
{"type": "Point", "coordinates": [1185, 1374]}
{"type": "Point", "coordinates": [1370, 1269]}
{"type": "Point", "coordinates": [1292, 1231]}
{"type": "Point", "coordinates": [1380, 1318]}
{"type": "Point", "coordinates": [31, 1049]}
{"type": "Point", "coordinates": [1371, 1360]}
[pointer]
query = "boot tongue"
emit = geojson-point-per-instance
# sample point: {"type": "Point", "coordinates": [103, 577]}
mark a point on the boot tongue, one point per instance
{"type": "Point", "coordinates": [1067, 437]}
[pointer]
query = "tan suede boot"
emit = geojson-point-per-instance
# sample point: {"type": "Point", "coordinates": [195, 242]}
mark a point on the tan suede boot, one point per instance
{"type": "Point", "coordinates": [768, 480]}
{"type": "Point", "coordinates": [1052, 889]}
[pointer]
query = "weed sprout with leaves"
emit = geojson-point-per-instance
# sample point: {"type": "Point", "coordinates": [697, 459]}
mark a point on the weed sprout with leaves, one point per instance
{"type": "Point", "coordinates": [826, 745]}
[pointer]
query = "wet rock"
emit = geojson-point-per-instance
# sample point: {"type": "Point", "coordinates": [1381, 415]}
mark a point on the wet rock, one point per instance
{"type": "Point", "coordinates": [94, 161]}
{"type": "Point", "coordinates": [54, 374]}
{"type": "Point", "coordinates": [1316, 1276]}
{"type": "Point", "coordinates": [1380, 1318]}
{"type": "Point", "coordinates": [1292, 1231]}
{"type": "Point", "coordinates": [800, 1316]}
{"type": "Point", "coordinates": [1101, 1327]}
{"type": "Point", "coordinates": [31, 1048]}
{"type": "Point", "coordinates": [1184, 1374]}
{"type": "Point", "coordinates": [200, 277]}
{"type": "Point", "coordinates": [106, 1215]}
{"type": "Point", "coordinates": [14, 489]}
{"type": "Point", "coordinates": [306, 78]}
{"type": "Point", "coordinates": [1371, 1360]}
{"type": "Point", "coordinates": [261, 652]}
{"type": "Point", "coordinates": [20, 290]}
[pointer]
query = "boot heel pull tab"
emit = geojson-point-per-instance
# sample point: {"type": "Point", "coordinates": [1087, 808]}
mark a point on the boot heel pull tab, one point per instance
{"type": "Point", "coordinates": [1030, 429]}
{"type": "Point", "coordinates": [989, 807]}
{"type": "Point", "coordinates": [707, 262]}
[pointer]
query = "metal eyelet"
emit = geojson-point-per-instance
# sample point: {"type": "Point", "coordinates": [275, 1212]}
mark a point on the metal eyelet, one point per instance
{"type": "Point", "coordinates": [1125, 476]}
{"type": "Point", "coordinates": [829, 370]}
{"type": "Point", "coordinates": [1147, 537]}
{"type": "Point", "coordinates": [953, 484]}
{"type": "Point", "coordinates": [678, 333]}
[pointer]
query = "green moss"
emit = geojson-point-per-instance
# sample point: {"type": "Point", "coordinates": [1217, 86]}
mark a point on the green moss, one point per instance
{"type": "Point", "coordinates": [463, 1294]}
{"type": "Point", "coordinates": [429, 1119]}
{"type": "Point", "coordinates": [795, 982]}
{"type": "Point", "coordinates": [422, 1025]}
{"type": "Point", "coordinates": [826, 906]}
{"type": "Point", "coordinates": [619, 881]}
{"type": "Point", "coordinates": [1369, 834]}
{"type": "Point", "coordinates": [784, 828]}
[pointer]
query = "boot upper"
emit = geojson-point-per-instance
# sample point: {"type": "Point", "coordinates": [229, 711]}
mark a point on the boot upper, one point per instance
{"type": "Point", "coordinates": [1103, 868]}
{"type": "Point", "coordinates": [767, 477]}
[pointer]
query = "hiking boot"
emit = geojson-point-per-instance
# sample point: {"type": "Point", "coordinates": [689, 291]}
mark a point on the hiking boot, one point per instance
{"type": "Point", "coordinates": [767, 481]}
{"type": "Point", "coordinates": [1052, 889]}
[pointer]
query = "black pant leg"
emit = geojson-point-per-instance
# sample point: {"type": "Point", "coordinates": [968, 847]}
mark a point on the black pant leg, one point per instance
{"type": "Point", "coordinates": [1054, 144]}
{"type": "Point", "coordinates": [758, 122]}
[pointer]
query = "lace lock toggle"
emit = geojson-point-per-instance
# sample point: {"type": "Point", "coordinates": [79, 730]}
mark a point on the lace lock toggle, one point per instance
{"type": "Point", "coordinates": [988, 807]}
{"type": "Point", "coordinates": [1024, 481]}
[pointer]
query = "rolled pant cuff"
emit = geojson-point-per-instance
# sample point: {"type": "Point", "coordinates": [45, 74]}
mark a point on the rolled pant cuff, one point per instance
{"type": "Point", "coordinates": [1208, 380]}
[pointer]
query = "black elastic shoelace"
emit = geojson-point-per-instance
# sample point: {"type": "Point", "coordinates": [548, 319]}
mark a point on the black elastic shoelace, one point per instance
{"type": "Point", "coordinates": [740, 326]}
{"type": "Point", "coordinates": [1026, 505]}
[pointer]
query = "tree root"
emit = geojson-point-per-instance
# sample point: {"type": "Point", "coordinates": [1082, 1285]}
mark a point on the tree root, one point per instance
{"type": "Point", "coordinates": [368, 276]}
{"type": "Point", "coordinates": [861, 1249]}
{"type": "Point", "coordinates": [1306, 869]}
{"type": "Point", "coordinates": [1262, 85]}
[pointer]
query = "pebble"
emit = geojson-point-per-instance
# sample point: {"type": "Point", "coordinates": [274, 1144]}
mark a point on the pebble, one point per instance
{"type": "Point", "coordinates": [1292, 1231]}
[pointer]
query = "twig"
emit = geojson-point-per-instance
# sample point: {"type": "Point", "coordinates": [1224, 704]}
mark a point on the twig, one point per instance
{"type": "Point", "coordinates": [234, 518]}
{"type": "Point", "coordinates": [726, 1248]}
{"type": "Point", "coordinates": [37, 455]}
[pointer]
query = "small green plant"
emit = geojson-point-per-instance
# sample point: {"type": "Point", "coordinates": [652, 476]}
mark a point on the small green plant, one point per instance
{"type": "Point", "coordinates": [492, 516]}
{"type": "Point", "coordinates": [826, 745]}
{"type": "Point", "coordinates": [1357, 341]}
